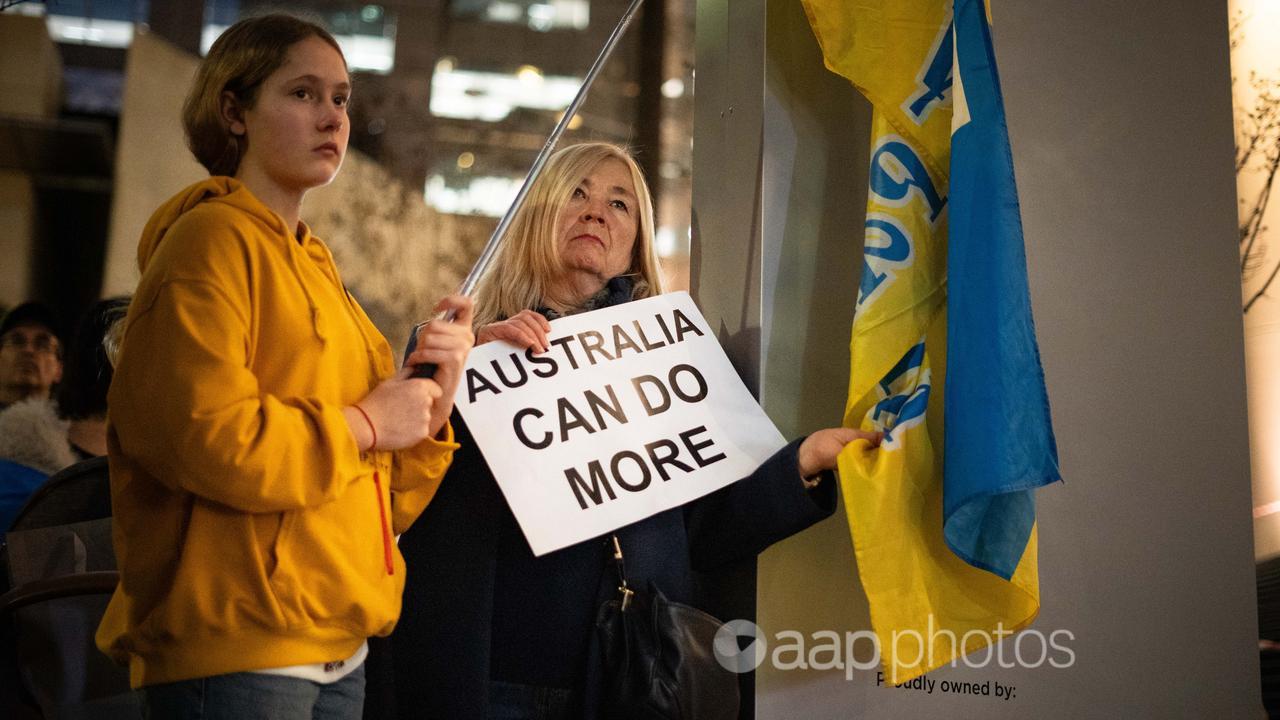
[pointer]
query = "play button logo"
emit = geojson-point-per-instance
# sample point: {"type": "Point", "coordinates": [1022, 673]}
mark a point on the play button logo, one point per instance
{"type": "Point", "coordinates": [739, 646]}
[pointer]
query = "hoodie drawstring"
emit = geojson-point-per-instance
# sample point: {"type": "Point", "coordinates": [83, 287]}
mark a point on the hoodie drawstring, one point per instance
{"type": "Point", "coordinates": [293, 252]}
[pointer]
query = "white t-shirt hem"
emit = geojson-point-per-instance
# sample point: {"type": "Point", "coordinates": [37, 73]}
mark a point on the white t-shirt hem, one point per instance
{"type": "Point", "coordinates": [323, 673]}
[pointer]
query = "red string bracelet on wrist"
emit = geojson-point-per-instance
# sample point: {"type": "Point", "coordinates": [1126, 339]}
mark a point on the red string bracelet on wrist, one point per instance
{"type": "Point", "coordinates": [372, 429]}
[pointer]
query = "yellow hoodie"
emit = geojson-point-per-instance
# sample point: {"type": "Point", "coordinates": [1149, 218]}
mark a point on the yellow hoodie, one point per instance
{"type": "Point", "coordinates": [250, 530]}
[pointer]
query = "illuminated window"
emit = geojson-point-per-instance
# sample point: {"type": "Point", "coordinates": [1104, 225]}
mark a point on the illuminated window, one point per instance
{"type": "Point", "coordinates": [540, 15]}
{"type": "Point", "coordinates": [366, 33]}
{"type": "Point", "coordinates": [486, 195]}
{"type": "Point", "coordinates": [107, 23]}
{"type": "Point", "coordinates": [489, 96]}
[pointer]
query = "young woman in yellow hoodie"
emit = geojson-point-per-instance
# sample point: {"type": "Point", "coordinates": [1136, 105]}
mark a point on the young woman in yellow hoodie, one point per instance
{"type": "Point", "coordinates": [264, 448]}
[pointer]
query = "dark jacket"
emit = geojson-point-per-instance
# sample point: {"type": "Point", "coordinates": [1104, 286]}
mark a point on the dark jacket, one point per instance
{"type": "Point", "coordinates": [469, 572]}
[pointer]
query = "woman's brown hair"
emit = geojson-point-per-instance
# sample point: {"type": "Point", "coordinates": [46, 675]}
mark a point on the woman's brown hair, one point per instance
{"type": "Point", "coordinates": [239, 61]}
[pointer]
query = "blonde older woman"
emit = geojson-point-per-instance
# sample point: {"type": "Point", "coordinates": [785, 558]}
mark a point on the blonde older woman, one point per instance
{"type": "Point", "coordinates": [489, 630]}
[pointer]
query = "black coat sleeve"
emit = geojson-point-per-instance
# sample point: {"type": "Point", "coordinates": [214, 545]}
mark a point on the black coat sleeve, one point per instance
{"type": "Point", "coordinates": [742, 519]}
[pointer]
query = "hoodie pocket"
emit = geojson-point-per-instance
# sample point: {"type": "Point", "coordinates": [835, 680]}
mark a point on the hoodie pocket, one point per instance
{"type": "Point", "coordinates": [280, 576]}
{"type": "Point", "coordinates": [388, 559]}
{"type": "Point", "coordinates": [332, 560]}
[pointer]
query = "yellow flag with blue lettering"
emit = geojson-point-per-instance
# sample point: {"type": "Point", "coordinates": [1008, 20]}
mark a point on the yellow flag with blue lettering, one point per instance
{"type": "Point", "coordinates": [947, 559]}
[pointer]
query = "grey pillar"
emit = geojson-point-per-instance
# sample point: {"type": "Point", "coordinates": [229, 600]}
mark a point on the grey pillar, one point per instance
{"type": "Point", "coordinates": [780, 154]}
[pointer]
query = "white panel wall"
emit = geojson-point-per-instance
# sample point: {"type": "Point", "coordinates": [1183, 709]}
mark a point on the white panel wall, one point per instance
{"type": "Point", "coordinates": [152, 160]}
{"type": "Point", "coordinates": [34, 92]}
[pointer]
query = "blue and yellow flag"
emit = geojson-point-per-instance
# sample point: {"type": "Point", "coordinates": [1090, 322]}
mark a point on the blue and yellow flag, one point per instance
{"type": "Point", "coordinates": [944, 356]}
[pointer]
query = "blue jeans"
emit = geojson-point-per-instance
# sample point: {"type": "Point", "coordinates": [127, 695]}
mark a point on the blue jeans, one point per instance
{"type": "Point", "coordinates": [513, 701]}
{"type": "Point", "coordinates": [253, 696]}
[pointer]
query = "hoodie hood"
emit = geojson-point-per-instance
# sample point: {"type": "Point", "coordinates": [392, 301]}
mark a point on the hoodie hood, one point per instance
{"type": "Point", "coordinates": [215, 189]}
{"type": "Point", "coordinates": [229, 191]}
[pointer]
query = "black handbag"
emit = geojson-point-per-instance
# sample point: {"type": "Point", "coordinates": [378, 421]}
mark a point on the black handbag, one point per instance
{"type": "Point", "coordinates": [659, 658]}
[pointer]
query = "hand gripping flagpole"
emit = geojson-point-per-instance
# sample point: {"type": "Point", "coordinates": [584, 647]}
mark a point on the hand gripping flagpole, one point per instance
{"type": "Point", "coordinates": [491, 248]}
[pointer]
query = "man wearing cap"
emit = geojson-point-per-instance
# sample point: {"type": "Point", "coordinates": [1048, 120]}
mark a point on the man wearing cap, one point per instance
{"type": "Point", "coordinates": [30, 354]}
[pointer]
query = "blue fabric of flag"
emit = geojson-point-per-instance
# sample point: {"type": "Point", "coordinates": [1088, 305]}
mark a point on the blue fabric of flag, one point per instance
{"type": "Point", "coordinates": [999, 444]}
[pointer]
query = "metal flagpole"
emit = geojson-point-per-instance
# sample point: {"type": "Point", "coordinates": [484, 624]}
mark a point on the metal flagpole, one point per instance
{"type": "Point", "coordinates": [490, 249]}
{"type": "Point", "coordinates": [473, 277]}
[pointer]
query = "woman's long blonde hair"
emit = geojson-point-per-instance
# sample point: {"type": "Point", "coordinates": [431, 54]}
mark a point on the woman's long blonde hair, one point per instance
{"type": "Point", "coordinates": [528, 261]}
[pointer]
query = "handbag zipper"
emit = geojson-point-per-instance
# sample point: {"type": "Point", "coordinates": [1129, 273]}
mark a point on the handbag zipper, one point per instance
{"type": "Point", "coordinates": [623, 590]}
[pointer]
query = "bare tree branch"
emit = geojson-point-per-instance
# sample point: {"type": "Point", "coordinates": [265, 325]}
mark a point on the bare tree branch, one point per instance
{"type": "Point", "coordinates": [1257, 153]}
{"type": "Point", "coordinates": [1252, 227]}
{"type": "Point", "coordinates": [1262, 290]}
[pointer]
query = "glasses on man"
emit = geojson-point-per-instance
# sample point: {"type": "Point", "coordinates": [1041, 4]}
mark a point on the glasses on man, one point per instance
{"type": "Point", "coordinates": [41, 342]}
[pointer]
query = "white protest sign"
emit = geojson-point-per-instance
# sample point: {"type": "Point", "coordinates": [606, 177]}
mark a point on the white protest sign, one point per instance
{"type": "Point", "coordinates": [634, 409]}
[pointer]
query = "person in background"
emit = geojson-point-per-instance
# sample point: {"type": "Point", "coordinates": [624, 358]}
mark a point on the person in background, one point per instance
{"type": "Point", "coordinates": [33, 446]}
{"type": "Point", "coordinates": [264, 448]}
{"type": "Point", "coordinates": [30, 353]}
{"type": "Point", "coordinates": [81, 397]}
{"type": "Point", "coordinates": [40, 436]}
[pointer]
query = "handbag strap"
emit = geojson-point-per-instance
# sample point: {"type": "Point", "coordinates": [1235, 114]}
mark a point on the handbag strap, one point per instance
{"type": "Point", "coordinates": [625, 593]}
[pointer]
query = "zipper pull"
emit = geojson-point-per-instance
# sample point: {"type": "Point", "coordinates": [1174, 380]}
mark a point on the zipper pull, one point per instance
{"type": "Point", "coordinates": [623, 590]}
